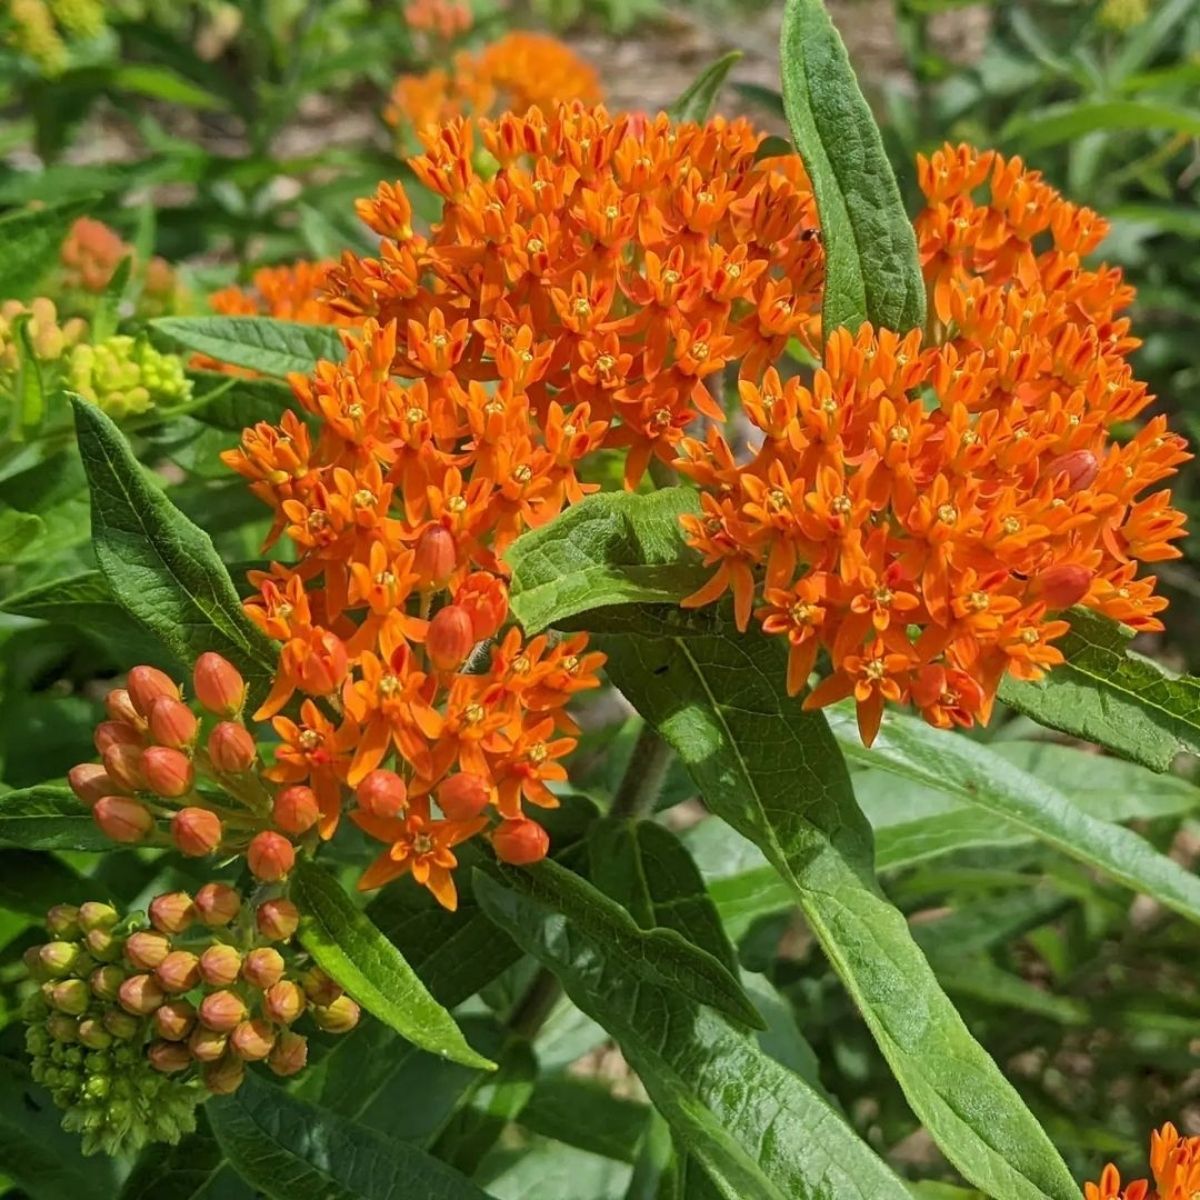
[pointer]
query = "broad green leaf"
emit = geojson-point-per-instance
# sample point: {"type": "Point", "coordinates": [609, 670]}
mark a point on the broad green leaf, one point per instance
{"type": "Point", "coordinates": [758, 1129]}
{"type": "Point", "coordinates": [30, 240]}
{"type": "Point", "coordinates": [1108, 695]}
{"type": "Point", "coordinates": [539, 1169]}
{"type": "Point", "coordinates": [584, 1113]}
{"type": "Point", "coordinates": [48, 817]}
{"type": "Point", "coordinates": [344, 941]}
{"type": "Point", "coordinates": [246, 403]}
{"type": "Point", "coordinates": [276, 348]}
{"type": "Point", "coordinates": [294, 1151]}
{"type": "Point", "coordinates": [611, 548]}
{"type": "Point", "coordinates": [17, 531]}
{"type": "Point", "coordinates": [1065, 122]}
{"type": "Point", "coordinates": [32, 881]}
{"type": "Point", "coordinates": [775, 774]}
{"type": "Point", "coordinates": [700, 95]}
{"type": "Point", "coordinates": [872, 272]}
{"type": "Point", "coordinates": [195, 1169]}
{"type": "Point", "coordinates": [163, 569]}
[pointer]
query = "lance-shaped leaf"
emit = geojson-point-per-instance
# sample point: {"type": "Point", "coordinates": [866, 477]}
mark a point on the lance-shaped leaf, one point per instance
{"type": "Point", "coordinates": [347, 944]}
{"type": "Point", "coordinates": [757, 1128]}
{"type": "Point", "coordinates": [775, 773]}
{"type": "Point", "coordinates": [194, 1169]}
{"type": "Point", "coordinates": [872, 272]}
{"type": "Point", "coordinates": [263, 344]}
{"type": "Point", "coordinates": [700, 95]}
{"type": "Point", "coordinates": [48, 817]}
{"type": "Point", "coordinates": [1108, 695]}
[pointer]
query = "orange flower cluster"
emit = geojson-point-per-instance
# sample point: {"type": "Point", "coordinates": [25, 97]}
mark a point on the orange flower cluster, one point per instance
{"type": "Point", "coordinates": [514, 73]}
{"type": "Point", "coordinates": [443, 19]}
{"type": "Point", "coordinates": [91, 254]}
{"type": "Point", "coordinates": [293, 292]}
{"type": "Point", "coordinates": [1174, 1162]}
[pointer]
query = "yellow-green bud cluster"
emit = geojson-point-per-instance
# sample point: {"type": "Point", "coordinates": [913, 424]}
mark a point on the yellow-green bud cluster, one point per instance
{"type": "Point", "coordinates": [79, 18]}
{"type": "Point", "coordinates": [49, 339]}
{"type": "Point", "coordinates": [33, 33]}
{"type": "Point", "coordinates": [1123, 15]}
{"type": "Point", "coordinates": [124, 375]}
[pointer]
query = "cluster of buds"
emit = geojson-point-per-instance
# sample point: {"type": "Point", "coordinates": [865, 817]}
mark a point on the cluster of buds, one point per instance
{"type": "Point", "coordinates": [443, 20]}
{"type": "Point", "coordinates": [48, 337]}
{"type": "Point", "coordinates": [134, 1022]}
{"type": "Point", "coordinates": [89, 258]}
{"type": "Point", "coordinates": [124, 375]}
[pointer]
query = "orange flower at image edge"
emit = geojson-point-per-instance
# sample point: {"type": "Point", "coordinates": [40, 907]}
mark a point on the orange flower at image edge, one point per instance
{"type": "Point", "coordinates": [1174, 1163]}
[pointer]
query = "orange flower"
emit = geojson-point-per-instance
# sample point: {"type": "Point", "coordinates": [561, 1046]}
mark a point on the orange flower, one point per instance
{"type": "Point", "coordinates": [1174, 1163]}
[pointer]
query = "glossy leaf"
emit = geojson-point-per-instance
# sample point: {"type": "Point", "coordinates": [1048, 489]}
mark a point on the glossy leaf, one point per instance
{"type": "Point", "coordinates": [48, 817]}
{"type": "Point", "coordinates": [263, 344]}
{"type": "Point", "coordinates": [345, 942]}
{"type": "Point", "coordinates": [194, 1169]}
{"type": "Point", "coordinates": [872, 272]}
{"type": "Point", "coordinates": [697, 100]}
{"type": "Point", "coordinates": [584, 1113]}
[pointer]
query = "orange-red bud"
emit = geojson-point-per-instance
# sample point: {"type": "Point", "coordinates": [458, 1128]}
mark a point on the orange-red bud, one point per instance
{"type": "Point", "coordinates": [219, 686]}
{"type": "Point", "coordinates": [124, 766]}
{"type": "Point", "coordinates": [217, 904]}
{"type": "Point", "coordinates": [140, 995]}
{"type": "Point", "coordinates": [222, 1011]}
{"type": "Point", "coordinates": [1080, 467]}
{"type": "Point", "coordinates": [207, 1045]}
{"type": "Point", "coordinates": [435, 558]}
{"type": "Point", "coordinates": [122, 819]}
{"type": "Point", "coordinates": [173, 724]}
{"type": "Point", "coordinates": [339, 1017]}
{"type": "Point", "coordinates": [167, 772]}
{"type": "Point", "coordinates": [178, 972]}
{"type": "Point", "coordinates": [382, 794]}
{"type": "Point", "coordinates": [231, 748]}
{"type": "Point", "coordinates": [146, 684]}
{"type": "Point", "coordinates": [325, 668]}
{"type": "Point", "coordinates": [520, 842]}
{"type": "Point", "coordinates": [1062, 585]}
{"type": "Point", "coordinates": [224, 1076]}
{"type": "Point", "coordinates": [115, 733]}
{"type": "Point", "coordinates": [289, 1054]}
{"type": "Point", "coordinates": [284, 1002]}
{"type": "Point", "coordinates": [263, 968]}
{"type": "Point", "coordinates": [463, 796]}
{"type": "Point", "coordinates": [90, 781]}
{"type": "Point", "coordinates": [196, 831]}
{"type": "Point", "coordinates": [277, 919]}
{"type": "Point", "coordinates": [252, 1040]}
{"type": "Point", "coordinates": [270, 856]}
{"type": "Point", "coordinates": [145, 949]}
{"type": "Point", "coordinates": [172, 912]}
{"type": "Point", "coordinates": [485, 598]}
{"type": "Point", "coordinates": [450, 637]}
{"type": "Point", "coordinates": [296, 810]}
{"type": "Point", "coordinates": [220, 965]}
{"type": "Point", "coordinates": [168, 1057]}
{"type": "Point", "coordinates": [119, 706]}
{"type": "Point", "coordinates": [174, 1020]}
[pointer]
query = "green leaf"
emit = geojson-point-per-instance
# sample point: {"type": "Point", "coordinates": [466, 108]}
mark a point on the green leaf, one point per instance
{"type": "Point", "coordinates": [345, 942]}
{"type": "Point", "coordinates": [775, 774]}
{"type": "Point", "coordinates": [1108, 695]}
{"type": "Point", "coordinates": [584, 1113]}
{"type": "Point", "coordinates": [161, 83]}
{"type": "Point", "coordinates": [263, 344]}
{"type": "Point", "coordinates": [1065, 122]}
{"type": "Point", "coordinates": [48, 817]}
{"type": "Point", "coordinates": [294, 1151]}
{"type": "Point", "coordinates": [30, 240]}
{"type": "Point", "coordinates": [195, 1169]}
{"type": "Point", "coordinates": [611, 548]}
{"type": "Point", "coordinates": [758, 1129]}
{"type": "Point", "coordinates": [163, 569]}
{"type": "Point", "coordinates": [872, 272]}
{"type": "Point", "coordinates": [700, 95]}
{"type": "Point", "coordinates": [17, 531]}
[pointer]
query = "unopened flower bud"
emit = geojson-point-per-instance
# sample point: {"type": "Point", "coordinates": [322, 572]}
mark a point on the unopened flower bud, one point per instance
{"type": "Point", "coordinates": [140, 995]}
{"type": "Point", "coordinates": [172, 912]}
{"type": "Point", "coordinates": [121, 1025]}
{"type": "Point", "coordinates": [217, 904]}
{"type": "Point", "coordinates": [520, 842]}
{"type": "Point", "coordinates": [144, 950]}
{"type": "Point", "coordinates": [1062, 585]}
{"type": "Point", "coordinates": [173, 724]}
{"type": "Point", "coordinates": [435, 557]}
{"type": "Point", "coordinates": [284, 1002]}
{"type": "Point", "coordinates": [62, 1028]}
{"type": "Point", "coordinates": [289, 1054]}
{"type": "Point", "coordinates": [463, 796]}
{"type": "Point", "coordinates": [485, 598]}
{"type": "Point", "coordinates": [122, 819]}
{"type": "Point", "coordinates": [103, 945]}
{"type": "Point", "coordinates": [219, 686]}
{"type": "Point", "coordinates": [93, 1035]}
{"type": "Point", "coordinates": [339, 1017]}
{"type": "Point", "coordinates": [277, 919]}
{"type": "Point", "coordinates": [1080, 467]}
{"type": "Point", "coordinates": [174, 1020]}
{"type": "Point", "coordinates": [119, 706]}
{"type": "Point", "coordinates": [123, 763]}
{"type": "Point", "coordinates": [270, 856]}
{"type": "Point", "coordinates": [63, 921]}
{"type": "Point", "coordinates": [450, 638]}
{"type": "Point", "coordinates": [71, 996]}
{"type": "Point", "coordinates": [196, 831]}
{"type": "Point", "coordinates": [90, 781]}
{"type": "Point", "coordinates": [106, 981]}
{"type": "Point", "coordinates": [178, 972]}
{"type": "Point", "coordinates": [207, 1045]}
{"type": "Point", "coordinates": [222, 1011]}
{"type": "Point", "coordinates": [168, 1057]}
{"type": "Point", "coordinates": [220, 965]}
{"type": "Point", "coordinates": [93, 914]}
{"type": "Point", "coordinates": [231, 748]}
{"type": "Point", "coordinates": [108, 734]}
{"type": "Point", "coordinates": [319, 987]}
{"type": "Point", "coordinates": [382, 794]}
{"type": "Point", "coordinates": [167, 772]}
{"type": "Point", "coordinates": [147, 684]}
{"type": "Point", "coordinates": [263, 967]}
{"type": "Point", "coordinates": [225, 1076]}
{"type": "Point", "coordinates": [252, 1040]}
{"type": "Point", "coordinates": [296, 810]}
{"type": "Point", "coordinates": [59, 958]}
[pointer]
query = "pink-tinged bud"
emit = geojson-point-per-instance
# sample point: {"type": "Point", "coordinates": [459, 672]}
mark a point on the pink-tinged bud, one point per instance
{"type": "Point", "coordinates": [102, 945]}
{"type": "Point", "coordinates": [58, 958]}
{"type": "Point", "coordinates": [319, 987]}
{"type": "Point", "coordinates": [263, 967]}
{"type": "Point", "coordinates": [140, 995]}
{"type": "Point", "coordinates": [217, 904]}
{"type": "Point", "coordinates": [167, 772]}
{"type": "Point", "coordinates": [435, 558]}
{"type": "Point", "coordinates": [106, 981]}
{"type": "Point", "coordinates": [231, 748]}
{"type": "Point", "coordinates": [119, 706]}
{"type": "Point", "coordinates": [174, 1020]}
{"type": "Point", "coordinates": [339, 1017]}
{"type": "Point", "coordinates": [289, 1054]}
{"type": "Point", "coordinates": [252, 1040]}
{"type": "Point", "coordinates": [147, 684]}
{"type": "Point", "coordinates": [94, 914]}
{"type": "Point", "coordinates": [296, 810]}
{"type": "Point", "coordinates": [196, 831]}
{"type": "Point", "coordinates": [284, 1002]}
{"type": "Point", "coordinates": [277, 919]}
{"type": "Point", "coordinates": [520, 842]}
{"type": "Point", "coordinates": [450, 638]}
{"type": "Point", "coordinates": [115, 733]}
{"type": "Point", "coordinates": [173, 724]}
{"type": "Point", "coordinates": [463, 796]}
{"type": "Point", "coordinates": [1080, 467]}
{"type": "Point", "coordinates": [1063, 585]}
{"type": "Point", "coordinates": [325, 667]}
{"type": "Point", "coordinates": [90, 781]}
{"type": "Point", "coordinates": [219, 686]}
{"type": "Point", "coordinates": [220, 965]}
{"type": "Point", "coordinates": [207, 1045]}
{"type": "Point", "coordinates": [382, 794]}
{"type": "Point", "coordinates": [168, 1057]}
{"type": "Point", "coordinates": [222, 1011]}
{"type": "Point", "coordinates": [93, 1035]}
{"type": "Point", "coordinates": [225, 1076]}
{"type": "Point", "coordinates": [71, 996]}
{"type": "Point", "coordinates": [178, 972]}
{"type": "Point", "coordinates": [270, 856]}
{"type": "Point", "coordinates": [63, 921]}
{"type": "Point", "coordinates": [172, 912]}
{"type": "Point", "coordinates": [63, 1028]}
{"type": "Point", "coordinates": [121, 1025]}
{"type": "Point", "coordinates": [123, 820]}
{"type": "Point", "coordinates": [124, 766]}
{"type": "Point", "coordinates": [485, 598]}
{"type": "Point", "coordinates": [144, 950]}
